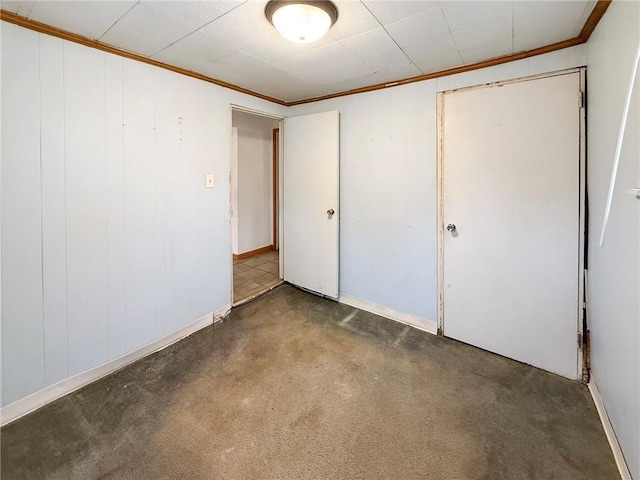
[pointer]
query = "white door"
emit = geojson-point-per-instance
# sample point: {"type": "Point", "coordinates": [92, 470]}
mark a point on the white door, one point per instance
{"type": "Point", "coordinates": [310, 189]}
{"type": "Point", "coordinates": [511, 187]}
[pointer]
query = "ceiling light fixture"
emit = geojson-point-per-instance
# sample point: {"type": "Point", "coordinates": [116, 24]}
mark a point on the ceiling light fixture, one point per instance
{"type": "Point", "coordinates": [301, 21]}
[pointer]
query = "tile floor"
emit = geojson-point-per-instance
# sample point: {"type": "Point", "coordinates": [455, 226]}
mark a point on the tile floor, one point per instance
{"type": "Point", "coordinates": [254, 275]}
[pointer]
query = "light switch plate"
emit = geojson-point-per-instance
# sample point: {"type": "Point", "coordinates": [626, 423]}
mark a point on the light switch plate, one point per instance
{"type": "Point", "coordinates": [209, 180]}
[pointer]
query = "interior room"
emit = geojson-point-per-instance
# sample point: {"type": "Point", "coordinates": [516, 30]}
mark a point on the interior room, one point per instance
{"type": "Point", "coordinates": [347, 239]}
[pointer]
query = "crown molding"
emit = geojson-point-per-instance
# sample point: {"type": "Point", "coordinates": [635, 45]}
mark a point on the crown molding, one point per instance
{"type": "Point", "coordinates": [594, 18]}
{"type": "Point", "coordinates": [73, 37]}
{"type": "Point", "coordinates": [588, 28]}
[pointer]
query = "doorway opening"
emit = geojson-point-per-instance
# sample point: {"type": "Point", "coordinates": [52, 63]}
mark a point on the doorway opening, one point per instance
{"type": "Point", "coordinates": [254, 205]}
{"type": "Point", "coordinates": [300, 235]}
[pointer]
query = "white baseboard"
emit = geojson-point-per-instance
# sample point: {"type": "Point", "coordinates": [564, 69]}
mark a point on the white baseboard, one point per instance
{"type": "Point", "coordinates": [420, 323]}
{"type": "Point", "coordinates": [221, 313]}
{"type": "Point", "coordinates": [32, 402]}
{"type": "Point", "coordinates": [608, 430]}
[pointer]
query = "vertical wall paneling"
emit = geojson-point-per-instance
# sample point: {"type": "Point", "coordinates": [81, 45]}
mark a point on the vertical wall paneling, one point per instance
{"type": "Point", "coordinates": [140, 202]}
{"type": "Point", "coordinates": [80, 230]}
{"type": "Point", "coordinates": [175, 189]}
{"type": "Point", "coordinates": [207, 145]}
{"type": "Point", "coordinates": [114, 172]}
{"type": "Point", "coordinates": [387, 196]}
{"type": "Point", "coordinates": [86, 207]}
{"type": "Point", "coordinates": [54, 240]}
{"type": "Point", "coordinates": [614, 274]}
{"type": "Point", "coordinates": [22, 312]}
{"type": "Point", "coordinates": [425, 243]}
{"type": "Point", "coordinates": [388, 241]}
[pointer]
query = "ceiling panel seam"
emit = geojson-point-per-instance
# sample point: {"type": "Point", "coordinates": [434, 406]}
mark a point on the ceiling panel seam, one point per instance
{"type": "Point", "coordinates": [590, 24]}
{"type": "Point", "coordinates": [114, 23]}
{"type": "Point", "coordinates": [387, 32]}
{"type": "Point", "coordinates": [200, 27]}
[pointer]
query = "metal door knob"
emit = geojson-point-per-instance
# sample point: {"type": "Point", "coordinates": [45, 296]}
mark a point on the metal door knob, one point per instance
{"type": "Point", "coordinates": [451, 227]}
{"type": "Point", "coordinates": [330, 212]}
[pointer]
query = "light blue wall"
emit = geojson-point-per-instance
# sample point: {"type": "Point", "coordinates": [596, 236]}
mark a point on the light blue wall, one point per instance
{"type": "Point", "coordinates": [109, 239]}
{"type": "Point", "coordinates": [157, 254]}
{"type": "Point", "coordinates": [388, 156]}
{"type": "Point", "coordinates": [387, 196]}
{"type": "Point", "coordinates": [614, 269]}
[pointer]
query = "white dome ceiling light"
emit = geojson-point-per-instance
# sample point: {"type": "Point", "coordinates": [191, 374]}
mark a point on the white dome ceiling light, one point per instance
{"type": "Point", "coordinates": [301, 21]}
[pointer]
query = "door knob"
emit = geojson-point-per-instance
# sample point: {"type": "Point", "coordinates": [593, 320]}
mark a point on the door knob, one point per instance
{"type": "Point", "coordinates": [451, 227]}
{"type": "Point", "coordinates": [330, 212]}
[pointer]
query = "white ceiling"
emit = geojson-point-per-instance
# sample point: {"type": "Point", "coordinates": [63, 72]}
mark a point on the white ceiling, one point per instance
{"type": "Point", "coordinates": [373, 41]}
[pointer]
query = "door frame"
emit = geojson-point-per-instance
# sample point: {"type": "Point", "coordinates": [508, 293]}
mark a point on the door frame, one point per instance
{"type": "Point", "coordinates": [277, 196]}
{"type": "Point", "coordinates": [275, 144]}
{"type": "Point", "coordinates": [582, 368]}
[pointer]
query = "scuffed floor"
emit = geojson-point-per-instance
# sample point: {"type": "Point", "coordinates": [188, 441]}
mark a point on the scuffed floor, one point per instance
{"type": "Point", "coordinates": [284, 388]}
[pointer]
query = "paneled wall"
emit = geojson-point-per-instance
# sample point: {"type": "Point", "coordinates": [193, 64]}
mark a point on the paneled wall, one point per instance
{"type": "Point", "coordinates": [110, 239]}
{"type": "Point", "coordinates": [614, 269]}
{"type": "Point", "coordinates": [388, 235]}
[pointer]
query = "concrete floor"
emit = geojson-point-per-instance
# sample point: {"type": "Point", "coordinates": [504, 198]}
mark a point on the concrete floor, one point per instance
{"type": "Point", "coordinates": [281, 389]}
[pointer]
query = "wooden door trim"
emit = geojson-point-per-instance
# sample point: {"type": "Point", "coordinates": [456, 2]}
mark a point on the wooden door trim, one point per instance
{"type": "Point", "coordinates": [257, 251]}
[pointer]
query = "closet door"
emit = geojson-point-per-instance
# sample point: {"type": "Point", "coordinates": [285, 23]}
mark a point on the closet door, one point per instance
{"type": "Point", "coordinates": [511, 214]}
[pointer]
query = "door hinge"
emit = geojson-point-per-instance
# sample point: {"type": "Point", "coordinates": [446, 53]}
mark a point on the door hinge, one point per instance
{"type": "Point", "coordinates": [579, 340]}
{"type": "Point", "coordinates": [581, 99]}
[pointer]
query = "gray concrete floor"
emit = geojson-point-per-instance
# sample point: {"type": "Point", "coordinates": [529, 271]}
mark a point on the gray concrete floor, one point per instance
{"type": "Point", "coordinates": [284, 389]}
